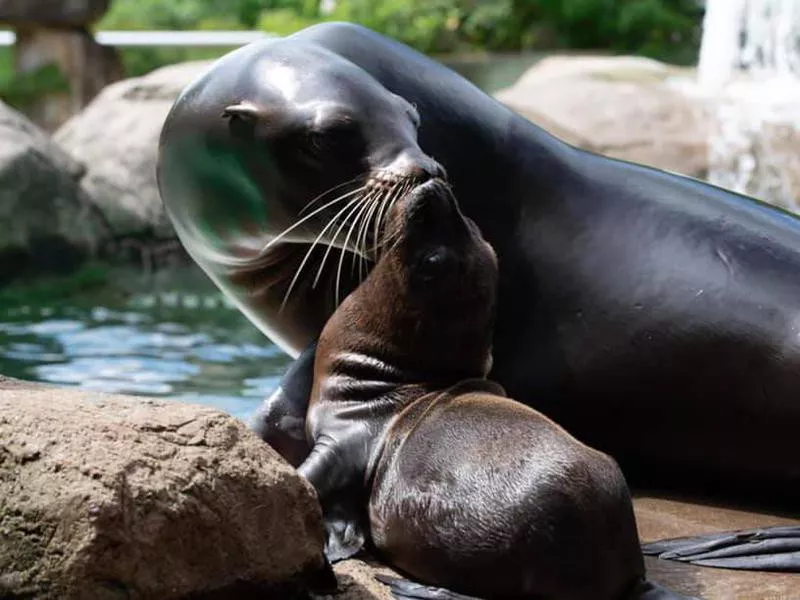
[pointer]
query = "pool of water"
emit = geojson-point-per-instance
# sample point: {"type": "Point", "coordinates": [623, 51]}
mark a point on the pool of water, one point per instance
{"type": "Point", "coordinates": [182, 341]}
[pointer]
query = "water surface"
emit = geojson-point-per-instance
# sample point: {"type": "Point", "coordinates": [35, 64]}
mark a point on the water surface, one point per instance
{"type": "Point", "coordinates": [181, 341]}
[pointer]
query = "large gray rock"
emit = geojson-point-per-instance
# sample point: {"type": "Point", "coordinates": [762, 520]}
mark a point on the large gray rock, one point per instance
{"type": "Point", "coordinates": [648, 112]}
{"type": "Point", "coordinates": [64, 13]}
{"type": "Point", "coordinates": [624, 107]}
{"type": "Point", "coordinates": [117, 137]}
{"type": "Point", "coordinates": [41, 201]}
{"type": "Point", "coordinates": [106, 497]}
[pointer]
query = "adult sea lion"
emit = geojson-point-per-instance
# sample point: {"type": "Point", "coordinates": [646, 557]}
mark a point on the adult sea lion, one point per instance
{"type": "Point", "coordinates": [653, 316]}
{"type": "Point", "coordinates": [465, 488]}
{"type": "Point", "coordinates": [280, 152]}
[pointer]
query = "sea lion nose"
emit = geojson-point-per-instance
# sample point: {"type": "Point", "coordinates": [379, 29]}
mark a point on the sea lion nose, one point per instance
{"type": "Point", "coordinates": [433, 169]}
{"type": "Point", "coordinates": [417, 165]}
{"type": "Point", "coordinates": [436, 199]}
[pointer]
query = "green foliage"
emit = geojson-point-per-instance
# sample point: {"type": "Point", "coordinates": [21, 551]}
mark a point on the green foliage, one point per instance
{"type": "Point", "coordinates": [85, 280]}
{"type": "Point", "coordinates": [428, 25]}
{"type": "Point", "coordinates": [666, 29]}
{"type": "Point", "coordinates": [20, 89]}
{"type": "Point", "coordinates": [284, 21]}
{"type": "Point", "coordinates": [659, 28]}
{"type": "Point", "coordinates": [196, 14]}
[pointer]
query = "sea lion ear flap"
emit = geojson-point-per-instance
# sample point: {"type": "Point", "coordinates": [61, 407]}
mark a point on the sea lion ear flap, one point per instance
{"type": "Point", "coordinates": [247, 111]}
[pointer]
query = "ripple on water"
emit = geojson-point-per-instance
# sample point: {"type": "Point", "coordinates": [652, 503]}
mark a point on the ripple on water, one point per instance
{"type": "Point", "coordinates": [197, 350]}
{"type": "Point", "coordinates": [31, 352]}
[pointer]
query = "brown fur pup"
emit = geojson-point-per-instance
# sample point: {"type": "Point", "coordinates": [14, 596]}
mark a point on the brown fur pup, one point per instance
{"type": "Point", "coordinates": [465, 488]}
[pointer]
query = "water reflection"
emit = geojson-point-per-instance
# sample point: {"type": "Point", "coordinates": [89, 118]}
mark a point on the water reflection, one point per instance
{"type": "Point", "coordinates": [187, 347]}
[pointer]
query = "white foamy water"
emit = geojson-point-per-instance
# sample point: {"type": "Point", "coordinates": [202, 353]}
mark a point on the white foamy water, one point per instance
{"type": "Point", "coordinates": [749, 77]}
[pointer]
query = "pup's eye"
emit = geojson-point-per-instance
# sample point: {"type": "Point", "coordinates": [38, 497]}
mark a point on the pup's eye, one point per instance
{"type": "Point", "coordinates": [433, 262]}
{"type": "Point", "coordinates": [434, 259]}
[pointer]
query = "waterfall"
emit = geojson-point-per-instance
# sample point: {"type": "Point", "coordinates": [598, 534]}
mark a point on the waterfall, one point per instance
{"type": "Point", "coordinates": [749, 72]}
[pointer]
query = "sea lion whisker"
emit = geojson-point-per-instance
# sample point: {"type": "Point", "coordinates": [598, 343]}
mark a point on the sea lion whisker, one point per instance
{"type": "Point", "coordinates": [380, 226]}
{"type": "Point", "coordinates": [294, 226]}
{"type": "Point", "coordinates": [361, 240]}
{"type": "Point", "coordinates": [375, 199]}
{"type": "Point", "coordinates": [363, 259]}
{"type": "Point", "coordinates": [391, 242]}
{"type": "Point", "coordinates": [330, 190]}
{"type": "Point", "coordinates": [381, 215]}
{"type": "Point", "coordinates": [384, 201]}
{"type": "Point", "coordinates": [357, 253]}
{"type": "Point", "coordinates": [364, 206]}
{"type": "Point", "coordinates": [299, 270]}
{"type": "Point", "coordinates": [357, 201]}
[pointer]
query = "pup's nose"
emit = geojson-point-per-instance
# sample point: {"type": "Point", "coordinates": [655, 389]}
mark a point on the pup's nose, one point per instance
{"type": "Point", "coordinates": [435, 202]}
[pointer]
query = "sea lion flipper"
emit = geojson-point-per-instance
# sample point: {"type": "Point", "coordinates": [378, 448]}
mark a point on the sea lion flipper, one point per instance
{"type": "Point", "coordinates": [281, 419]}
{"type": "Point", "coordinates": [333, 477]}
{"type": "Point", "coordinates": [762, 549]}
{"type": "Point", "coordinates": [345, 533]}
{"type": "Point", "coordinates": [404, 589]}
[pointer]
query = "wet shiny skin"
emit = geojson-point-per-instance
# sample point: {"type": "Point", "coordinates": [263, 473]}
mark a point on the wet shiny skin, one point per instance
{"type": "Point", "coordinates": [655, 317]}
{"type": "Point", "coordinates": [464, 487]}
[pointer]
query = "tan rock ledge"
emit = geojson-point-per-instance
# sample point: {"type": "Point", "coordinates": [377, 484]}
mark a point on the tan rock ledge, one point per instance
{"type": "Point", "coordinates": [107, 496]}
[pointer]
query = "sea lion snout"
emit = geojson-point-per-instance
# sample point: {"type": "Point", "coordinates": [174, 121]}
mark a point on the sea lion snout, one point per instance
{"type": "Point", "coordinates": [432, 207]}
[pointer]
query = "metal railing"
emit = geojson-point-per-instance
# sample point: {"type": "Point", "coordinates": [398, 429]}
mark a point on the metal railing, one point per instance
{"type": "Point", "coordinates": [195, 39]}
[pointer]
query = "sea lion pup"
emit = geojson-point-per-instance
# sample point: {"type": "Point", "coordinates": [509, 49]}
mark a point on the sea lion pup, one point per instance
{"type": "Point", "coordinates": [465, 488]}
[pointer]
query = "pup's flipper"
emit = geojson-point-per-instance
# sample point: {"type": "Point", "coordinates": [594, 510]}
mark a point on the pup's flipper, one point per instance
{"type": "Point", "coordinates": [762, 549]}
{"type": "Point", "coordinates": [281, 419]}
{"type": "Point", "coordinates": [403, 589]}
{"type": "Point", "coordinates": [345, 533]}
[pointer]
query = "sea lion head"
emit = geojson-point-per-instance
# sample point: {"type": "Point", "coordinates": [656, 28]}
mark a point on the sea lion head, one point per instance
{"type": "Point", "coordinates": [428, 306]}
{"type": "Point", "coordinates": [286, 141]}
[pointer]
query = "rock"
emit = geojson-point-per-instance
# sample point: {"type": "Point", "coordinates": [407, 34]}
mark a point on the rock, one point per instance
{"type": "Point", "coordinates": [55, 49]}
{"type": "Point", "coordinates": [624, 107]}
{"type": "Point", "coordinates": [45, 217]}
{"type": "Point", "coordinates": [357, 581]}
{"type": "Point", "coordinates": [107, 497]}
{"type": "Point", "coordinates": [63, 13]}
{"type": "Point", "coordinates": [648, 112]}
{"type": "Point", "coordinates": [83, 66]}
{"type": "Point", "coordinates": [117, 137]}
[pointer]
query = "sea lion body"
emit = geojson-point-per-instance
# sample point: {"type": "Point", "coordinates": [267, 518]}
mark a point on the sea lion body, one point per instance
{"type": "Point", "coordinates": [465, 488]}
{"type": "Point", "coordinates": [477, 493]}
{"type": "Point", "coordinates": [655, 317]}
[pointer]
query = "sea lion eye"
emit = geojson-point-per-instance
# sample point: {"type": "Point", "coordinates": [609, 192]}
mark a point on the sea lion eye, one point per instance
{"type": "Point", "coordinates": [316, 140]}
{"type": "Point", "coordinates": [434, 259]}
{"type": "Point", "coordinates": [314, 147]}
{"type": "Point", "coordinates": [333, 138]}
{"type": "Point", "coordinates": [433, 262]}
